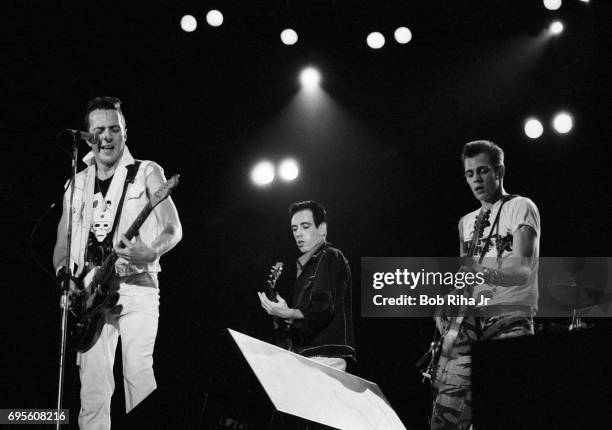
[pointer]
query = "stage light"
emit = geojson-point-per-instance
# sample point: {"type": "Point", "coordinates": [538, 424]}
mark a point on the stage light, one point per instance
{"type": "Point", "coordinates": [288, 170]}
{"type": "Point", "coordinates": [262, 173]}
{"type": "Point", "coordinates": [552, 4]}
{"type": "Point", "coordinates": [310, 78]}
{"type": "Point", "coordinates": [214, 18]}
{"type": "Point", "coordinates": [533, 128]}
{"type": "Point", "coordinates": [584, 1]}
{"type": "Point", "coordinates": [188, 23]}
{"type": "Point", "coordinates": [289, 36]}
{"type": "Point", "coordinates": [556, 27]}
{"type": "Point", "coordinates": [403, 35]}
{"type": "Point", "coordinates": [375, 40]}
{"type": "Point", "coordinates": [563, 122]}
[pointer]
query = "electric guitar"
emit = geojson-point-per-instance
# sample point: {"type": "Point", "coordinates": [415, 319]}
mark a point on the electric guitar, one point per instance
{"type": "Point", "coordinates": [281, 327]}
{"type": "Point", "coordinates": [95, 296]}
{"type": "Point", "coordinates": [440, 349]}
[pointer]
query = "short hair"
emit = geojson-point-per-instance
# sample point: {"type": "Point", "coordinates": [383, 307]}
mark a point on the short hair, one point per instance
{"type": "Point", "coordinates": [103, 103]}
{"type": "Point", "coordinates": [495, 153]}
{"type": "Point", "coordinates": [319, 214]}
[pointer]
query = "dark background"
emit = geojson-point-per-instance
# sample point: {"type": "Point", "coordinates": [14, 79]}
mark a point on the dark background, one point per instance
{"type": "Point", "coordinates": [380, 150]}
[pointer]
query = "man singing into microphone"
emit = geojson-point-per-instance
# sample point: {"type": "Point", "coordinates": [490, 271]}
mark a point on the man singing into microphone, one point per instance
{"type": "Point", "coordinates": [109, 194]}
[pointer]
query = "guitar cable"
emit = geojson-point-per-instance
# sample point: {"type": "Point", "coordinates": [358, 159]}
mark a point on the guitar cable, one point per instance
{"type": "Point", "coordinates": [35, 228]}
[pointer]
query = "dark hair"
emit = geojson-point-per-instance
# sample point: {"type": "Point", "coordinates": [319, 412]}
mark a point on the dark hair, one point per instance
{"type": "Point", "coordinates": [495, 153]}
{"type": "Point", "coordinates": [319, 214]}
{"type": "Point", "coordinates": [475, 147]}
{"type": "Point", "coordinates": [103, 103]}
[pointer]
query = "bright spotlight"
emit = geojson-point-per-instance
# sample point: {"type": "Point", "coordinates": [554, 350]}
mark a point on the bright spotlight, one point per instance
{"type": "Point", "coordinates": [188, 23]}
{"type": "Point", "coordinates": [310, 78]}
{"type": "Point", "coordinates": [289, 36]}
{"type": "Point", "coordinates": [563, 122]}
{"type": "Point", "coordinates": [214, 18]}
{"type": "Point", "coordinates": [552, 4]}
{"type": "Point", "coordinates": [403, 35]}
{"type": "Point", "coordinates": [288, 170]}
{"type": "Point", "coordinates": [262, 173]}
{"type": "Point", "coordinates": [375, 40]}
{"type": "Point", "coordinates": [556, 27]}
{"type": "Point", "coordinates": [533, 128]}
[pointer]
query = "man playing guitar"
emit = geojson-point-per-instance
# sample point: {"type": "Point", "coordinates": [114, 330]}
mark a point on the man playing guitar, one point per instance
{"type": "Point", "coordinates": [109, 196]}
{"type": "Point", "coordinates": [506, 253]}
{"type": "Point", "coordinates": [320, 321]}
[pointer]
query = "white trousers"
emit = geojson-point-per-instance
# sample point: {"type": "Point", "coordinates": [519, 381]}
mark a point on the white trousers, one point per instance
{"type": "Point", "coordinates": [137, 326]}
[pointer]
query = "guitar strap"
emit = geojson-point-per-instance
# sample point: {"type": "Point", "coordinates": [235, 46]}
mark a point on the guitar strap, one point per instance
{"type": "Point", "coordinates": [132, 169]}
{"type": "Point", "coordinates": [495, 226]}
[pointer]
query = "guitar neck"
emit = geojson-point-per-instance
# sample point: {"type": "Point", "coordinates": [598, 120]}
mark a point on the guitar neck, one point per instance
{"type": "Point", "coordinates": [140, 219]}
{"type": "Point", "coordinates": [106, 268]}
{"type": "Point", "coordinates": [481, 223]}
{"type": "Point", "coordinates": [473, 246]}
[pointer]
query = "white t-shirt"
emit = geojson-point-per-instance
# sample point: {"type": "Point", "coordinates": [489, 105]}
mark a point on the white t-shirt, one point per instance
{"type": "Point", "coordinates": [515, 213]}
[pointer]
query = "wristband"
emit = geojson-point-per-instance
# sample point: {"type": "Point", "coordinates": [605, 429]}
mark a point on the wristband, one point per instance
{"type": "Point", "coordinates": [490, 276]}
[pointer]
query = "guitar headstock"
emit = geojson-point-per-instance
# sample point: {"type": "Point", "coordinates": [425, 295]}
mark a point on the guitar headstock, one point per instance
{"type": "Point", "coordinates": [164, 191]}
{"type": "Point", "coordinates": [275, 272]}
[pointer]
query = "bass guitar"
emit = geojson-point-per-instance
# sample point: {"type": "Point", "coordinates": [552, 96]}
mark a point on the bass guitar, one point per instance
{"type": "Point", "coordinates": [95, 296]}
{"type": "Point", "coordinates": [440, 349]}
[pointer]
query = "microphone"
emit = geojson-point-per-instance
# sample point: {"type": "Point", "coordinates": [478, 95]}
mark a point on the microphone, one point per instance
{"type": "Point", "coordinates": [90, 138]}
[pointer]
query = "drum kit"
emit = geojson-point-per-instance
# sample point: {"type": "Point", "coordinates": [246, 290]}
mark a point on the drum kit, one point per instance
{"type": "Point", "coordinates": [575, 293]}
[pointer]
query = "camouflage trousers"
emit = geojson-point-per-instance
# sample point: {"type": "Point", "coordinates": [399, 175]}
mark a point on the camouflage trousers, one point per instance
{"type": "Point", "coordinates": [452, 400]}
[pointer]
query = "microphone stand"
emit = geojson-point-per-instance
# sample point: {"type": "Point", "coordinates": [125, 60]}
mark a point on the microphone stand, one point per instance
{"type": "Point", "coordinates": [66, 283]}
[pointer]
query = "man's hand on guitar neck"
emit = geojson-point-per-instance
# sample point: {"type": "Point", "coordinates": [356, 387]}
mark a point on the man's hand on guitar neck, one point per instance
{"type": "Point", "coordinates": [279, 308]}
{"type": "Point", "coordinates": [136, 251]}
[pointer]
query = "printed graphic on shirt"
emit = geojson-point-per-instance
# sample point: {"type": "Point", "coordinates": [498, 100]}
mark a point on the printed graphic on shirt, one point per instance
{"type": "Point", "coordinates": [100, 244]}
{"type": "Point", "coordinates": [501, 243]}
{"type": "Point", "coordinates": [515, 213]}
{"type": "Point", "coordinates": [102, 221]}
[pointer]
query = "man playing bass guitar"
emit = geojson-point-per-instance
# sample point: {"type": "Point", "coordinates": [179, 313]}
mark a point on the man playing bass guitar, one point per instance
{"type": "Point", "coordinates": [506, 254]}
{"type": "Point", "coordinates": [109, 195]}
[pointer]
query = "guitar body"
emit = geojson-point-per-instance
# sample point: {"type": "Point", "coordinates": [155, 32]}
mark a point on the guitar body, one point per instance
{"type": "Point", "coordinates": [85, 331]}
{"type": "Point", "coordinates": [439, 354]}
{"type": "Point", "coordinates": [90, 306]}
{"type": "Point", "coordinates": [282, 334]}
{"type": "Point", "coordinates": [442, 350]}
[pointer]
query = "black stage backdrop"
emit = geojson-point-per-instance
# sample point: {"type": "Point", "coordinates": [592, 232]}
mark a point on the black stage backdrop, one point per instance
{"type": "Point", "coordinates": [379, 146]}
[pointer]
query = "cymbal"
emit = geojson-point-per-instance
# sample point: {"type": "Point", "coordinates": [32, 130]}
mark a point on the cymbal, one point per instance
{"type": "Point", "coordinates": [574, 295]}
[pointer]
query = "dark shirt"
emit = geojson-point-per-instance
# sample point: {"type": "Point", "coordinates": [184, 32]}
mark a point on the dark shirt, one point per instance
{"type": "Point", "coordinates": [101, 186]}
{"type": "Point", "coordinates": [323, 293]}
